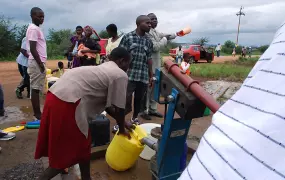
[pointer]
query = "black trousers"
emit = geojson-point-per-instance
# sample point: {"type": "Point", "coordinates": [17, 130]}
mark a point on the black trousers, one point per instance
{"type": "Point", "coordinates": [139, 89]}
{"type": "Point", "coordinates": [25, 83]}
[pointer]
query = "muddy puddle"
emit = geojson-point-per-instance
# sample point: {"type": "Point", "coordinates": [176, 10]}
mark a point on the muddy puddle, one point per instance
{"type": "Point", "coordinates": [14, 114]}
{"type": "Point", "coordinates": [101, 171]}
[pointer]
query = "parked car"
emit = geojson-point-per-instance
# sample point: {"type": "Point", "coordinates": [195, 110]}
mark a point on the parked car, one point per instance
{"type": "Point", "coordinates": [196, 52]}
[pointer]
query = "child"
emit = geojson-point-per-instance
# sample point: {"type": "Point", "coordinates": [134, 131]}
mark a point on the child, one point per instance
{"type": "Point", "coordinates": [179, 55]}
{"type": "Point", "coordinates": [82, 48]}
{"type": "Point", "coordinates": [69, 59]}
{"type": "Point", "coordinates": [185, 65]}
{"type": "Point", "coordinates": [234, 52]}
{"type": "Point", "coordinates": [59, 71]}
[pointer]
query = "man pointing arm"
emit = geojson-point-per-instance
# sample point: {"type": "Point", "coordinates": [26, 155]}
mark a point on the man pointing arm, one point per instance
{"type": "Point", "coordinates": [159, 40]}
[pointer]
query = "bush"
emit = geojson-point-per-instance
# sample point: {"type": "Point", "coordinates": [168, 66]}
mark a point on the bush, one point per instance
{"type": "Point", "coordinates": [8, 38]}
{"type": "Point", "coordinates": [229, 50]}
{"type": "Point", "coordinates": [104, 34]}
{"type": "Point", "coordinates": [229, 44]}
{"type": "Point", "coordinates": [201, 41]}
{"type": "Point", "coordinates": [262, 49]}
{"type": "Point", "coordinates": [11, 36]}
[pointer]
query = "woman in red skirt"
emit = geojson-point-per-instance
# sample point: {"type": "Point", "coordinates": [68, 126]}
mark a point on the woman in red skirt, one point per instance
{"type": "Point", "coordinates": [75, 98]}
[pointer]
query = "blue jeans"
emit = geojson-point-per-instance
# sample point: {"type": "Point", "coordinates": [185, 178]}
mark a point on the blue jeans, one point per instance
{"type": "Point", "coordinates": [179, 59]}
{"type": "Point", "coordinates": [25, 83]}
{"type": "Point", "coordinates": [1, 98]}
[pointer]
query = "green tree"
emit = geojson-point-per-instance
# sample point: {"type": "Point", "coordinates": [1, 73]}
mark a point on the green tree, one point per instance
{"type": "Point", "coordinates": [103, 34]}
{"type": "Point", "coordinates": [58, 42]}
{"type": "Point", "coordinates": [229, 44]}
{"type": "Point", "coordinates": [201, 41]}
{"type": "Point", "coordinates": [8, 41]}
{"type": "Point", "coordinates": [238, 50]}
{"type": "Point", "coordinates": [21, 34]}
{"type": "Point", "coordinates": [57, 36]}
{"type": "Point", "coordinates": [262, 49]}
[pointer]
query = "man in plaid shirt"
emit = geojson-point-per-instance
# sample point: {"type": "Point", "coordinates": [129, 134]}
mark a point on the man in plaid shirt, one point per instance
{"type": "Point", "coordinates": [140, 69]}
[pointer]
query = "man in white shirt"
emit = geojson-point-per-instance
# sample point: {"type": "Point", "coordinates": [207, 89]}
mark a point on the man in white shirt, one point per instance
{"type": "Point", "coordinates": [218, 49]}
{"type": "Point", "coordinates": [246, 138]}
{"type": "Point", "coordinates": [22, 61]}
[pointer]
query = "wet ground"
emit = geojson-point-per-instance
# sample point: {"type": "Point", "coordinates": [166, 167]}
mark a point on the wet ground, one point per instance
{"type": "Point", "coordinates": [16, 158]}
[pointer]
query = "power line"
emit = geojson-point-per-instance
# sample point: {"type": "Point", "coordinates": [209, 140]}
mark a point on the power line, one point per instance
{"type": "Point", "coordinates": [240, 13]}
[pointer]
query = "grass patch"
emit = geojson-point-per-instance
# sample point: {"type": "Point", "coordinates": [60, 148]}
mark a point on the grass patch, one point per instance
{"type": "Point", "coordinates": [244, 61]}
{"type": "Point", "coordinates": [229, 72]}
{"type": "Point", "coordinates": [223, 54]}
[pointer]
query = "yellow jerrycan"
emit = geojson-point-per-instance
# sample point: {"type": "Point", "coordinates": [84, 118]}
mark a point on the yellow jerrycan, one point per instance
{"type": "Point", "coordinates": [48, 71]}
{"type": "Point", "coordinates": [48, 74]}
{"type": "Point", "coordinates": [122, 152]}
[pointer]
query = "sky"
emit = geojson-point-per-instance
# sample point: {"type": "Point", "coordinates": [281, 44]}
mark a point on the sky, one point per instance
{"type": "Point", "coordinates": [215, 19]}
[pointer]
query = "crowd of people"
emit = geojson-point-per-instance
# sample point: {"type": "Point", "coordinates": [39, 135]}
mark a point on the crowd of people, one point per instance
{"type": "Point", "coordinates": [244, 51]}
{"type": "Point", "coordinates": [238, 146]}
{"type": "Point", "coordinates": [89, 87]}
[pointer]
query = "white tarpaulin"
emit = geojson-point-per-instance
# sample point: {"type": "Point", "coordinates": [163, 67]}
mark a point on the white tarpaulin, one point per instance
{"type": "Point", "coordinates": [247, 137]}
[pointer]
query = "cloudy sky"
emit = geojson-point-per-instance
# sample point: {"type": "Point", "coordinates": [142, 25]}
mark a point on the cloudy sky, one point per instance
{"type": "Point", "coordinates": [215, 19]}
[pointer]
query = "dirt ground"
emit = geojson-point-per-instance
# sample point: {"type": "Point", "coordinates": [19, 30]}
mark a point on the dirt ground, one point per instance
{"type": "Point", "coordinates": [17, 155]}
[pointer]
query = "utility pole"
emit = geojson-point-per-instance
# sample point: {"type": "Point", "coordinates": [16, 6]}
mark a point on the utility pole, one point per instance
{"type": "Point", "coordinates": [240, 13]}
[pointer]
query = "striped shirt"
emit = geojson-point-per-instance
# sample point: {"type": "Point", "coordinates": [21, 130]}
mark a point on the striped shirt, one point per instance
{"type": "Point", "coordinates": [247, 137]}
{"type": "Point", "coordinates": [141, 49]}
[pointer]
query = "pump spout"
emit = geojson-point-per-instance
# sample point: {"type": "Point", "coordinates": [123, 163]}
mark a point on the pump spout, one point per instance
{"type": "Point", "coordinates": [150, 143]}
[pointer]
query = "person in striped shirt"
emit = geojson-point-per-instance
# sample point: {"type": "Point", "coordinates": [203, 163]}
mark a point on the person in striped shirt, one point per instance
{"type": "Point", "coordinates": [246, 138]}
